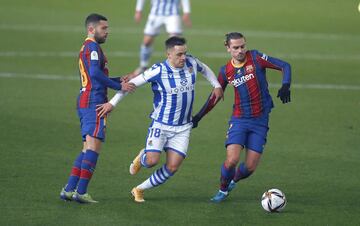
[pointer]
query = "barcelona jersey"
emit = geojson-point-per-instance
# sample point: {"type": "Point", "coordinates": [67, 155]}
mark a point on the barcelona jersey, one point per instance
{"type": "Point", "coordinates": [251, 94]}
{"type": "Point", "coordinates": [94, 75]}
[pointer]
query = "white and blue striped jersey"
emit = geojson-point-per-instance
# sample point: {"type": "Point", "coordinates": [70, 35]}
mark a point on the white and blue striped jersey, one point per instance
{"type": "Point", "coordinates": [165, 7]}
{"type": "Point", "coordinates": [174, 90]}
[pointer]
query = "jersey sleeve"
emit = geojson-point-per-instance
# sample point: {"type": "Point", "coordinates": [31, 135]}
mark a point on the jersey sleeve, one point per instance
{"type": "Point", "coordinates": [137, 81]}
{"type": "Point", "coordinates": [152, 74]}
{"type": "Point", "coordinates": [95, 69]}
{"type": "Point", "coordinates": [210, 103]}
{"type": "Point", "coordinates": [207, 73]}
{"type": "Point", "coordinates": [266, 61]}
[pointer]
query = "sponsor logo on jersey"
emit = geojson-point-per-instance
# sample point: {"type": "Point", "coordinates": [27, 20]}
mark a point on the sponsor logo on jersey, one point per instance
{"type": "Point", "coordinates": [243, 79]}
{"type": "Point", "coordinates": [182, 89]}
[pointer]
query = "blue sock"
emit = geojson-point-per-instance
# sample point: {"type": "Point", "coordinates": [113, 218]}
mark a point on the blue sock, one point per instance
{"type": "Point", "coordinates": [75, 173]}
{"type": "Point", "coordinates": [145, 54]}
{"type": "Point", "coordinates": [87, 169]}
{"type": "Point", "coordinates": [227, 174]}
{"type": "Point", "coordinates": [242, 172]}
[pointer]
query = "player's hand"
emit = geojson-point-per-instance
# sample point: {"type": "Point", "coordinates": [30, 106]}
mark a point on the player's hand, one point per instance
{"type": "Point", "coordinates": [104, 109]}
{"type": "Point", "coordinates": [127, 77]}
{"type": "Point", "coordinates": [284, 93]}
{"type": "Point", "coordinates": [195, 121]}
{"type": "Point", "coordinates": [128, 87]}
{"type": "Point", "coordinates": [187, 20]}
{"type": "Point", "coordinates": [137, 17]}
{"type": "Point", "coordinates": [218, 93]}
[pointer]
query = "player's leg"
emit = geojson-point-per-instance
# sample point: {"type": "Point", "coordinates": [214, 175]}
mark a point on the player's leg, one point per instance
{"type": "Point", "coordinates": [228, 171]}
{"type": "Point", "coordinates": [236, 138]}
{"type": "Point", "coordinates": [176, 144]}
{"type": "Point", "coordinates": [151, 159]}
{"type": "Point", "coordinates": [149, 156]}
{"type": "Point", "coordinates": [152, 29]}
{"type": "Point", "coordinates": [68, 191]}
{"type": "Point", "coordinates": [255, 143]}
{"type": "Point", "coordinates": [93, 129]}
{"type": "Point", "coordinates": [88, 166]}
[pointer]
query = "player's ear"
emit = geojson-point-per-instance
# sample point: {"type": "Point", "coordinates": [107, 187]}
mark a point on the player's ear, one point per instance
{"type": "Point", "coordinates": [91, 29]}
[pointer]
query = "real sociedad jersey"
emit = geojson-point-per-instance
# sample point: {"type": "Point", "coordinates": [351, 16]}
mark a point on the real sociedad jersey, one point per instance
{"type": "Point", "coordinates": [94, 75]}
{"type": "Point", "coordinates": [174, 91]}
{"type": "Point", "coordinates": [251, 94]}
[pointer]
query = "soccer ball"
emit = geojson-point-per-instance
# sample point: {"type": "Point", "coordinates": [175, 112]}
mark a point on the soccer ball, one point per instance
{"type": "Point", "coordinates": [273, 200]}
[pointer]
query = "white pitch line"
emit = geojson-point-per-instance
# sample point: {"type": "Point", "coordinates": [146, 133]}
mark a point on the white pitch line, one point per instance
{"type": "Point", "coordinates": [214, 55]}
{"type": "Point", "coordinates": [194, 32]}
{"type": "Point", "coordinates": [271, 85]}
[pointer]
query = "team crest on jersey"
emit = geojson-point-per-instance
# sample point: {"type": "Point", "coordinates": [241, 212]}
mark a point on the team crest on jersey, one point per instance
{"type": "Point", "coordinates": [191, 69]}
{"type": "Point", "coordinates": [249, 69]}
{"type": "Point", "coordinates": [150, 143]}
{"type": "Point", "coordinates": [184, 82]}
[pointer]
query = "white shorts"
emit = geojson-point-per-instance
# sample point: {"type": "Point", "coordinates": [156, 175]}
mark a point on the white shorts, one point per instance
{"type": "Point", "coordinates": [163, 137]}
{"type": "Point", "coordinates": [154, 24]}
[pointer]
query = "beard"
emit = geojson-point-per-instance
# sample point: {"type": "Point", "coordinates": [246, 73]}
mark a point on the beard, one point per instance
{"type": "Point", "coordinates": [99, 39]}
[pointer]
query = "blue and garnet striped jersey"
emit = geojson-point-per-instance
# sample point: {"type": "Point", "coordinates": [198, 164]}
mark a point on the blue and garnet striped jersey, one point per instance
{"type": "Point", "coordinates": [94, 75]}
{"type": "Point", "coordinates": [252, 96]}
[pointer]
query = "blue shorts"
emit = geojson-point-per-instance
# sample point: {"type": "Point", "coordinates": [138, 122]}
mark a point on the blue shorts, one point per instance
{"type": "Point", "coordinates": [91, 124]}
{"type": "Point", "coordinates": [251, 133]}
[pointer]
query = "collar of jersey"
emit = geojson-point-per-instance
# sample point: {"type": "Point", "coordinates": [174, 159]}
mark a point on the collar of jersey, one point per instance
{"type": "Point", "coordinates": [238, 65]}
{"type": "Point", "coordinates": [173, 68]}
{"type": "Point", "coordinates": [92, 39]}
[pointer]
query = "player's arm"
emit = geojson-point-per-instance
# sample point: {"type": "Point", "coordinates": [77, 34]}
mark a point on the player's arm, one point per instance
{"type": "Point", "coordinates": [280, 65]}
{"type": "Point", "coordinates": [138, 81]}
{"type": "Point", "coordinates": [96, 73]}
{"type": "Point", "coordinates": [138, 9]}
{"type": "Point", "coordinates": [185, 4]}
{"type": "Point", "coordinates": [210, 76]}
{"type": "Point", "coordinates": [211, 101]}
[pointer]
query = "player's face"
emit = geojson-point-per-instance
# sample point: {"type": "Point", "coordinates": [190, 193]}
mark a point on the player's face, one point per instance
{"type": "Point", "coordinates": [101, 31]}
{"type": "Point", "coordinates": [177, 55]}
{"type": "Point", "coordinates": [237, 49]}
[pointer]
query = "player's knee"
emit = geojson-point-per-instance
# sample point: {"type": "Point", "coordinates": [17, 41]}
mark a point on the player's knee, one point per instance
{"type": "Point", "coordinates": [231, 162]}
{"type": "Point", "coordinates": [172, 168]}
{"type": "Point", "coordinates": [151, 160]}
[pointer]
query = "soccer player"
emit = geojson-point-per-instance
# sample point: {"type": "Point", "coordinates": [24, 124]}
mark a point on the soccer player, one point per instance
{"type": "Point", "coordinates": [163, 12]}
{"type": "Point", "coordinates": [248, 125]}
{"type": "Point", "coordinates": [94, 83]}
{"type": "Point", "coordinates": [173, 84]}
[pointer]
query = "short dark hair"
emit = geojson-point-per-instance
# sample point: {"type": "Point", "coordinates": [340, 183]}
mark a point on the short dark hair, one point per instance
{"type": "Point", "coordinates": [94, 18]}
{"type": "Point", "coordinates": [232, 35]}
{"type": "Point", "coordinates": [174, 41]}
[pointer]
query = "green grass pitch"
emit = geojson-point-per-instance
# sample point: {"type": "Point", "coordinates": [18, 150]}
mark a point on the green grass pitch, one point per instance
{"type": "Point", "coordinates": [313, 148]}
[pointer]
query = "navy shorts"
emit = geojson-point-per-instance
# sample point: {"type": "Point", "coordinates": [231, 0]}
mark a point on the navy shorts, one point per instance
{"type": "Point", "coordinates": [91, 124]}
{"type": "Point", "coordinates": [251, 133]}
